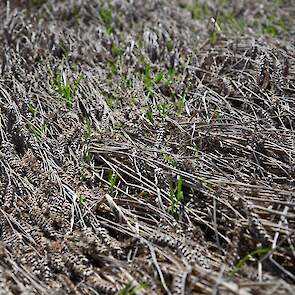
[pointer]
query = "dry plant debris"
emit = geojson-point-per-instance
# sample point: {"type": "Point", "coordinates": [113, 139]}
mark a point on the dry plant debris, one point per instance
{"type": "Point", "coordinates": [147, 147]}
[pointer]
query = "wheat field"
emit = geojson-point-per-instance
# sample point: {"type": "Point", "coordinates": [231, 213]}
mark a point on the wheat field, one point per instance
{"type": "Point", "coordinates": [147, 147]}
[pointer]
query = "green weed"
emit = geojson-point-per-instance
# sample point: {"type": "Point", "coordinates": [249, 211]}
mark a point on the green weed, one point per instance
{"type": "Point", "coordinates": [113, 180]}
{"type": "Point", "coordinates": [180, 104]}
{"type": "Point", "coordinates": [32, 110]}
{"type": "Point", "coordinates": [64, 87]}
{"type": "Point", "coordinates": [170, 159]}
{"type": "Point", "coordinates": [75, 11]}
{"type": "Point", "coordinates": [213, 37]}
{"type": "Point", "coordinates": [39, 132]}
{"type": "Point", "coordinates": [113, 69]}
{"type": "Point", "coordinates": [81, 199]}
{"type": "Point", "coordinates": [176, 197]}
{"type": "Point", "coordinates": [169, 45]}
{"type": "Point", "coordinates": [228, 22]}
{"type": "Point", "coordinates": [89, 156]}
{"type": "Point", "coordinates": [273, 26]}
{"type": "Point", "coordinates": [67, 89]}
{"type": "Point", "coordinates": [196, 152]}
{"type": "Point", "coordinates": [269, 28]}
{"type": "Point", "coordinates": [152, 80]}
{"type": "Point", "coordinates": [164, 109]}
{"type": "Point", "coordinates": [87, 127]}
{"type": "Point", "coordinates": [118, 125]}
{"type": "Point", "coordinates": [148, 81]}
{"type": "Point", "coordinates": [128, 290]}
{"type": "Point", "coordinates": [106, 17]}
{"type": "Point", "coordinates": [127, 82]}
{"type": "Point", "coordinates": [169, 77]}
{"type": "Point", "coordinates": [149, 114]}
{"type": "Point", "coordinates": [199, 10]}
{"type": "Point", "coordinates": [109, 101]}
{"type": "Point", "coordinates": [257, 252]}
{"type": "Point", "coordinates": [140, 41]}
{"type": "Point", "coordinates": [116, 51]}
{"type": "Point", "coordinates": [112, 101]}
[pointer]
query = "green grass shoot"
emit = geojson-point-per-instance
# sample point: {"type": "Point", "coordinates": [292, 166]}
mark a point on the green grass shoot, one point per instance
{"type": "Point", "coordinates": [257, 252]}
{"type": "Point", "coordinates": [113, 180]}
{"type": "Point", "coordinates": [66, 88]}
{"type": "Point", "coordinates": [176, 196]}
{"type": "Point", "coordinates": [128, 290]}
